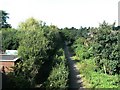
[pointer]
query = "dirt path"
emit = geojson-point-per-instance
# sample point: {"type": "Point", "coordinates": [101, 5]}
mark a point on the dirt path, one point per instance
{"type": "Point", "coordinates": [75, 81]}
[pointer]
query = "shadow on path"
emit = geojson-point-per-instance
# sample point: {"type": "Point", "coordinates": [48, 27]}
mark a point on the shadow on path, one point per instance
{"type": "Point", "coordinates": [75, 81]}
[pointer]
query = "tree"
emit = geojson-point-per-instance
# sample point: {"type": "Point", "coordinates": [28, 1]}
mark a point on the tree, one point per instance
{"type": "Point", "coordinates": [106, 49]}
{"type": "Point", "coordinates": [10, 39]}
{"type": "Point", "coordinates": [3, 20]}
{"type": "Point", "coordinates": [30, 24]}
{"type": "Point", "coordinates": [38, 43]}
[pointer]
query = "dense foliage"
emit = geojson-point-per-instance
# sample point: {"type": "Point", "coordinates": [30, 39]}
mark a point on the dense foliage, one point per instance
{"type": "Point", "coordinates": [106, 49]}
{"type": "Point", "coordinates": [100, 47]}
{"type": "Point", "coordinates": [71, 34]}
{"type": "Point", "coordinates": [10, 39]}
{"type": "Point", "coordinates": [38, 44]}
{"type": "Point", "coordinates": [93, 79]}
{"type": "Point", "coordinates": [59, 75]}
{"type": "Point", "coordinates": [40, 48]}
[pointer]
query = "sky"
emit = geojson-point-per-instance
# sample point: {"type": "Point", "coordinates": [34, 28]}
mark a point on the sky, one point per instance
{"type": "Point", "coordinates": [62, 13]}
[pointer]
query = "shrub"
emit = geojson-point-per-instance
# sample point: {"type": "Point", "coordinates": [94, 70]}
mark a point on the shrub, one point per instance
{"type": "Point", "coordinates": [95, 78]}
{"type": "Point", "coordinates": [106, 49]}
{"type": "Point", "coordinates": [59, 75]}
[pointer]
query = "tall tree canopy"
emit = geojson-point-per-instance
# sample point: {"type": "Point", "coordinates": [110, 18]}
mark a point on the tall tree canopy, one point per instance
{"type": "Point", "coordinates": [30, 24]}
{"type": "Point", "coordinates": [3, 20]}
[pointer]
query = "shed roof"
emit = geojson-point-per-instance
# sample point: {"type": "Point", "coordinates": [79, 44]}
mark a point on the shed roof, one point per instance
{"type": "Point", "coordinates": [4, 57]}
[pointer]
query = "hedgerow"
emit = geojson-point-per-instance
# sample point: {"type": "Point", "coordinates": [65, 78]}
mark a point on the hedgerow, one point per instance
{"type": "Point", "coordinates": [58, 78]}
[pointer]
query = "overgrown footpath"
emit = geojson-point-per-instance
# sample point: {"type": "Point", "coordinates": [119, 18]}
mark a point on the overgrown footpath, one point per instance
{"type": "Point", "coordinates": [97, 53]}
{"type": "Point", "coordinates": [41, 50]}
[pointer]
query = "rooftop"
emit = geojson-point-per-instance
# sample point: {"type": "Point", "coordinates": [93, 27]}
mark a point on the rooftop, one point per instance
{"type": "Point", "coordinates": [4, 57]}
{"type": "Point", "coordinates": [9, 55]}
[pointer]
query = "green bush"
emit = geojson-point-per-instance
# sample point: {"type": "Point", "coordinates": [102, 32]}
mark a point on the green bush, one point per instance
{"type": "Point", "coordinates": [95, 78]}
{"type": "Point", "coordinates": [81, 50]}
{"type": "Point", "coordinates": [106, 49]}
{"type": "Point", "coordinates": [59, 75]}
